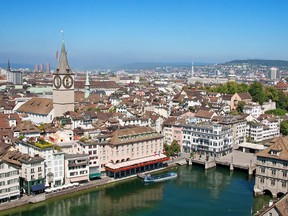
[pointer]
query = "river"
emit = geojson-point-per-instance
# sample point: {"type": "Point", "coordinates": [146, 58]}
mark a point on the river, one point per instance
{"type": "Point", "coordinates": [196, 191]}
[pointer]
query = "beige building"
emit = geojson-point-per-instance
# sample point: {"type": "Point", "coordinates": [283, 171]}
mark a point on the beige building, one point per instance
{"type": "Point", "coordinates": [63, 86]}
{"type": "Point", "coordinates": [272, 168]}
{"type": "Point", "coordinates": [129, 151]}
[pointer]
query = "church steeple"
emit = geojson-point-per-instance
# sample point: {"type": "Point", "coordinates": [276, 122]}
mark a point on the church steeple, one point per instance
{"type": "Point", "coordinates": [63, 66]}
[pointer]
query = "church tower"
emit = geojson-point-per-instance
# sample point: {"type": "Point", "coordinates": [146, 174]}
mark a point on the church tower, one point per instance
{"type": "Point", "coordinates": [63, 85]}
{"type": "Point", "coordinates": [87, 86]}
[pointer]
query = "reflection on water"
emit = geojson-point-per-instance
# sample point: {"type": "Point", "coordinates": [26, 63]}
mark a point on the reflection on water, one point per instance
{"type": "Point", "coordinates": [195, 192]}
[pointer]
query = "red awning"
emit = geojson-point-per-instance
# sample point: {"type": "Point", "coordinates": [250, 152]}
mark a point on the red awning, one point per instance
{"type": "Point", "coordinates": [132, 166]}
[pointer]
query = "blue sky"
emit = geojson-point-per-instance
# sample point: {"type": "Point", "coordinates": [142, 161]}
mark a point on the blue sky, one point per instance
{"type": "Point", "coordinates": [114, 32]}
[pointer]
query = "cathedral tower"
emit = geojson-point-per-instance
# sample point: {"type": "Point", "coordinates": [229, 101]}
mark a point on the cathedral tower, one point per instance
{"type": "Point", "coordinates": [63, 85]}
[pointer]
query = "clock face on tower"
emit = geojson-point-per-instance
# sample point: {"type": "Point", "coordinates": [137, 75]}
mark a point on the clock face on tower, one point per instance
{"type": "Point", "coordinates": [67, 81]}
{"type": "Point", "coordinates": [57, 81]}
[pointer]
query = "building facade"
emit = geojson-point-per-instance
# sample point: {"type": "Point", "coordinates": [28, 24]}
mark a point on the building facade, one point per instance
{"type": "Point", "coordinates": [272, 168]}
{"type": "Point", "coordinates": [9, 182]}
{"type": "Point", "coordinates": [207, 138]}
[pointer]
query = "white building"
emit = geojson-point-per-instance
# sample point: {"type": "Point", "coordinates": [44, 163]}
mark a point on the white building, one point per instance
{"type": "Point", "coordinates": [54, 161]}
{"type": "Point", "coordinates": [267, 129]}
{"type": "Point", "coordinates": [76, 168]}
{"type": "Point", "coordinates": [254, 110]}
{"type": "Point", "coordinates": [9, 182]}
{"type": "Point", "coordinates": [207, 138]}
{"type": "Point", "coordinates": [90, 148]}
{"type": "Point", "coordinates": [39, 110]}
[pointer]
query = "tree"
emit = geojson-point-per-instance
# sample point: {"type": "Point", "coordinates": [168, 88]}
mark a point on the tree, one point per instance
{"type": "Point", "coordinates": [272, 93]}
{"type": "Point", "coordinates": [232, 87]}
{"type": "Point", "coordinates": [172, 149]}
{"type": "Point", "coordinates": [240, 106]}
{"type": "Point", "coordinates": [277, 112]}
{"type": "Point", "coordinates": [192, 109]}
{"type": "Point", "coordinates": [257, 92]}
{"type": "Point", "coordinates": [284, 128]}
{"type": "Point", "coordinates": [282, 102]}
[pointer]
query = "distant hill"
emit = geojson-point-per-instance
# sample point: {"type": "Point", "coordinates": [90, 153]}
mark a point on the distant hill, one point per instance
{"type": "Point", "coordinates": [16, 65]}
{"type": "Point", "coordinates": [151, 65]}
{"type": "Point", "coordinates": [268, 63]}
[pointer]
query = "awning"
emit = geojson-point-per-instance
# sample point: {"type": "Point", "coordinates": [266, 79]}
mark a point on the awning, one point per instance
{"type": "Point", "coordinates": [94, 175]}
{"type": "Point", "coordinates": [79, 179]}
{"type": "Point", "coordinates": [127, 165]}
{"type": "Point", "coordinates": [38, 187]}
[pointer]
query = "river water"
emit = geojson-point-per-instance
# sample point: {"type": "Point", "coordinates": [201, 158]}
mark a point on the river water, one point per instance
{"type": "Point", "coordinates": [196, 191]}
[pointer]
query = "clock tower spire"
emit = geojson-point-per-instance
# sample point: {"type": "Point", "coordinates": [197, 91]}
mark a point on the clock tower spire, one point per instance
{"type": "Point", "coordinates": [63, 85]}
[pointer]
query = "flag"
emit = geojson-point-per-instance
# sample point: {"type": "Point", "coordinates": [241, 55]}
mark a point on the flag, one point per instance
{"type": "Point", "coordinates": [57, 55]}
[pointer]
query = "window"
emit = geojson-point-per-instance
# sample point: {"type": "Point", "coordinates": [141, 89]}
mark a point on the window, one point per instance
{"type": "Point", "coordinates": [262, 169]}
{"type": "Point", "coordinates": [284, 184]}
{"type": "Point", "coordinates": [284, 173]}
{"type": "Point", "coordinates": [262, 180]}
{"type": "Point", "coordinates": [272, 182]}
{"type": "Point", "coordinates": [273, 171]}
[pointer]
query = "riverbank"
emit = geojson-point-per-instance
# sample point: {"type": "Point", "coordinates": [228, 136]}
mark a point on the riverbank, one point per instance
{"type": "Point", "coordinates": [95, 184]}
{"type": "Point", "coordinates": [216, 191]}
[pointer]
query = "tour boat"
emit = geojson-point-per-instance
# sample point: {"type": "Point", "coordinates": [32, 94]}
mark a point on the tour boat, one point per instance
{"type": "Point", "coordinates": [159, 178]}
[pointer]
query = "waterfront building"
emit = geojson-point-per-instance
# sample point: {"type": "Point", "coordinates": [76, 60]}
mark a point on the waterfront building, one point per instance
{"type": "Point", "coordinates": [32, 174]}
{"type": "Point", "coordinates": [90, 147]}
{"type": "Point", "coordinates": [53, 160]}
{"type": "Point", "coordinates": [9, 182]}
{"type": "Point", "coordinates": [63, 85]}
{"type": "Point", "coordinates": [32, 179]}
{"type": "Point", "coordinates": [207, 138]}
{"type": "Point", "coordinates": [130, 151]}
{"type": "Point", "coordinates": [272, 168]}
{"type": "Point", "coordinates": [76, 168]}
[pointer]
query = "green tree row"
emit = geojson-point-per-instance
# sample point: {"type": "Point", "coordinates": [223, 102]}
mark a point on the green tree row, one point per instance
{"type": "Point", "coordinates": [257, 90]}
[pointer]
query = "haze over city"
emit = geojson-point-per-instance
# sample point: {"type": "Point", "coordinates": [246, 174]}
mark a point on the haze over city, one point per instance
{"type": "Point", "coordinates": [107, 33]}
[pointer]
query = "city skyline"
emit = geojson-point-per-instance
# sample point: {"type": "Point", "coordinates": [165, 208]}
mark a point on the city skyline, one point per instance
{"type": "Point", "coordinates": [105, 33]}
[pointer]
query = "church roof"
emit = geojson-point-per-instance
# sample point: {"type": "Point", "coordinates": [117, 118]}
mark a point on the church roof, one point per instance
{"type": "Point", "coordinates": [41, 106]}
{"type": "Point", "coordinates": [63, 66]}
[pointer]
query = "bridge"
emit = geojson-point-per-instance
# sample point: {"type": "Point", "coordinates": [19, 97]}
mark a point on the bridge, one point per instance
{"type": "Point", "coordinates": [236, 159]}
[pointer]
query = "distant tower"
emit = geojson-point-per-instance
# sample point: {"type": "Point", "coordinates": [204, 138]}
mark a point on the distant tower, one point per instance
{"type": "Point", "coordinates": [192, 70]}
{"type": "Point", "coordinates": [273, 74]}
{"type": "Point", "coordinates": [41, 67]}
{"type": "Point", "coordinates": [87, 86]}
{"type": "Point", "coordinates": [8, 72]}
{"type": "Point", "coordinates": [48, 67]}
{"type": "Point", "coordinates": [63, 85]}
{"type": "Point", "coordinates": [36, 68]}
